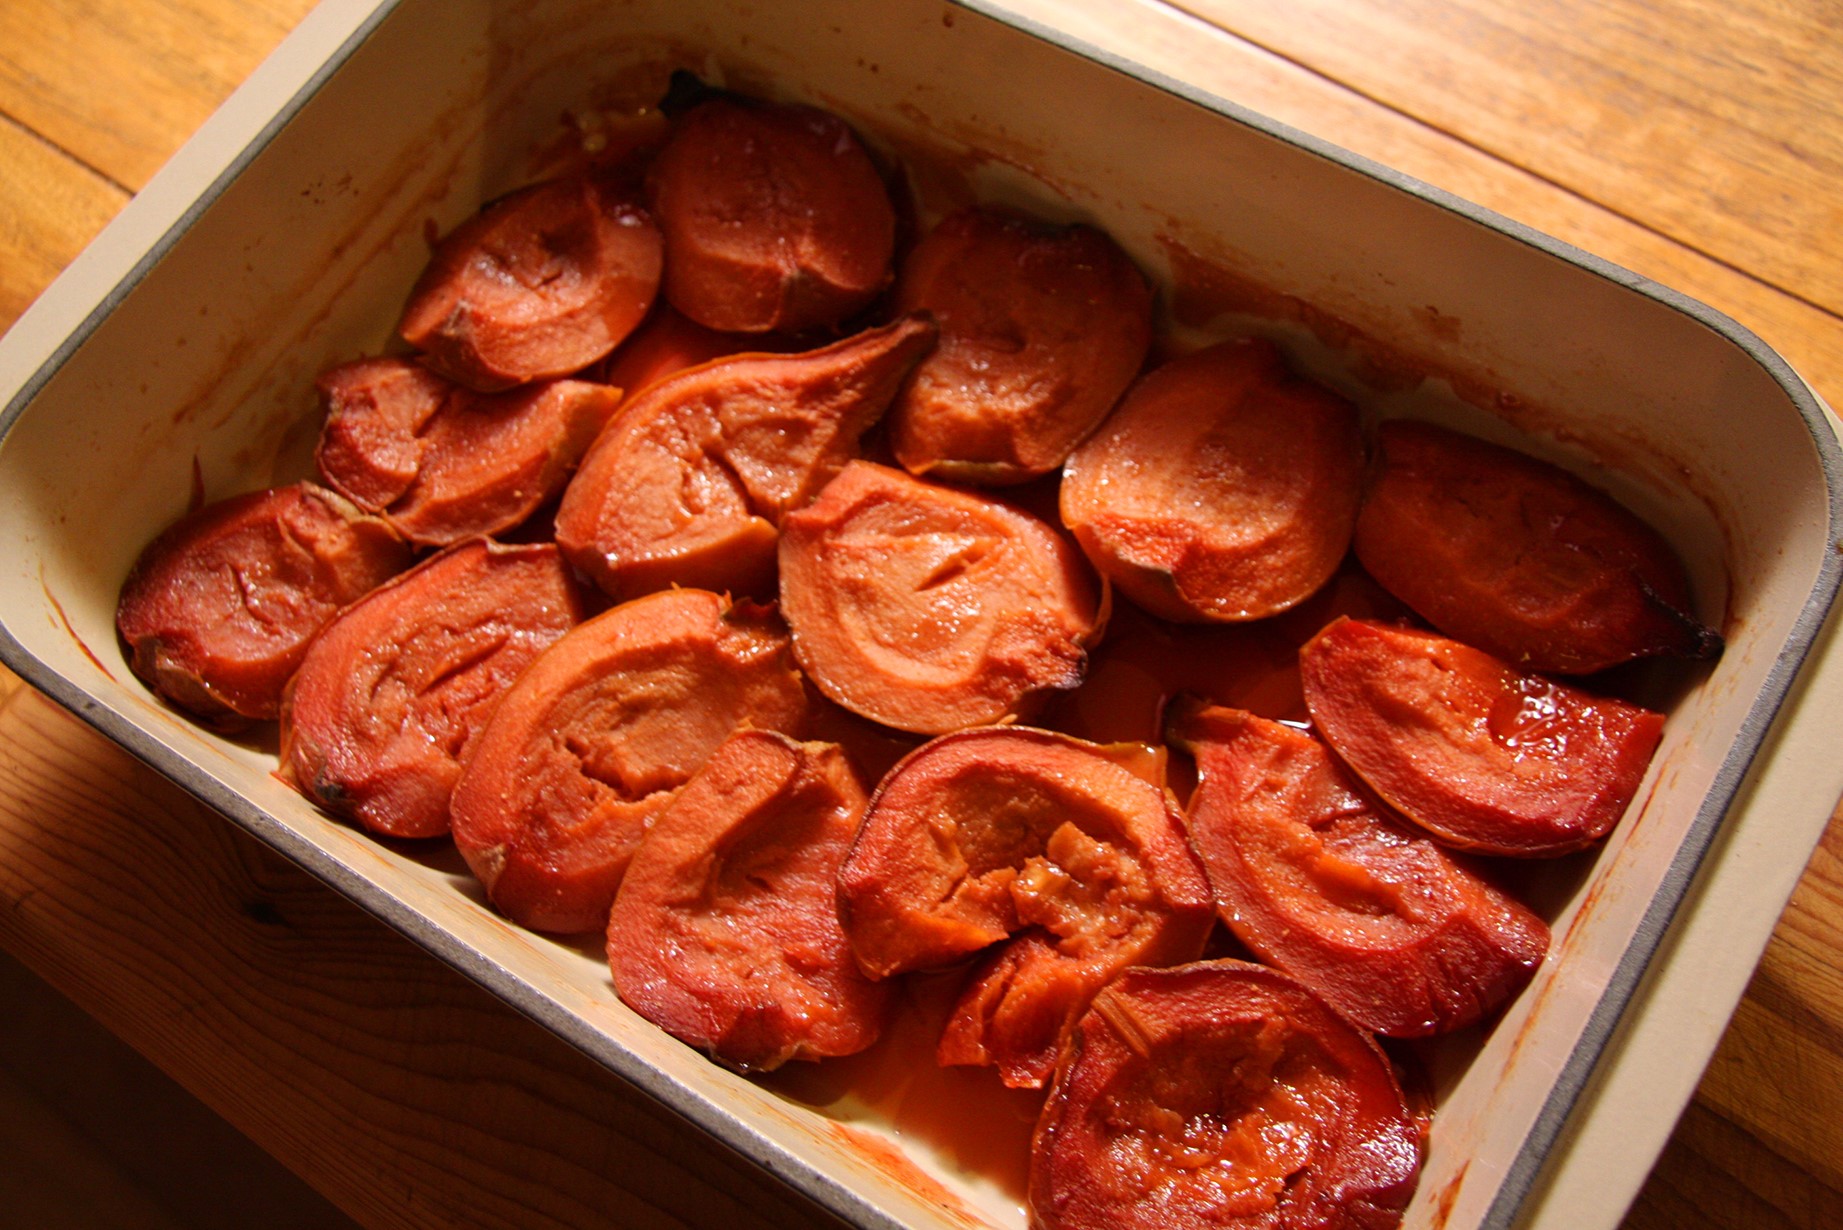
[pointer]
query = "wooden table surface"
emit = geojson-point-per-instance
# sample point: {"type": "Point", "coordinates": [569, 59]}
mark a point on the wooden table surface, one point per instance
{"type": "Point", "coordinates": [1696, 142]}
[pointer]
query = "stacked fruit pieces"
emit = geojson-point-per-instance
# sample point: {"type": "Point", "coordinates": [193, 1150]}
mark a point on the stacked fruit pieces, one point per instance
{"type": "Point", "coordinates": [704, 462]}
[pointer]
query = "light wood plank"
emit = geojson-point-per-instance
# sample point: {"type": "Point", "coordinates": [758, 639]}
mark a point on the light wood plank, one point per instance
{"type": "Point", "coordinates": [1716, 122]}
{"type": "Point", "coordinates": [1773, 1076]}
{"type": "Point", "coordinates": [406, 1094]}
{"type": "Point", "coordinates": [120, 84]}
{"type": "Point", "coordinates": [50, 206]}
{"type": "Point", "coordinates": [1162, 38]}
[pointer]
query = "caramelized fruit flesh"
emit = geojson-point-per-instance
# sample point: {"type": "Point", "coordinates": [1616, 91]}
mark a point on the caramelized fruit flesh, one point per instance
{"type": "Point", "coordinates": [1314, 877]}
{"type": "Point", "coordinates": [1221, 1094]}
{"type": "Point", "coordinates": [596, 738]}
{"type": "Point", "coordinates": [218, 610]}
{"type": "Point", "coordinates": [1223, 488]}
{"type": "Point", "coordinates": [725, 931]}
{"type": "Point", "coordinates": [392, 693]}
{"type": "Point", "coordinates": [1063, 850]}
{"type": "Point", "coordinates": [931, 609]}
{"type": "Point", "coordinates": [1483, 756]}
{"type": "Point", "coordinates": [1520, 558]}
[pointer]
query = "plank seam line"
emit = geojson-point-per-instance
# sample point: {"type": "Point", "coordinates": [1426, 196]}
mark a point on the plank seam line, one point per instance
{"type": "Point", "coordinates": [1197, 19]}
{"type": "Point", "coordinates": [63, 151]}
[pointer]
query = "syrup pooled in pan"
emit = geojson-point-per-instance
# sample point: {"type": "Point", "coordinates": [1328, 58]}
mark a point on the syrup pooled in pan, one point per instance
{"type": "Point", "coordinates": [893, 1096]}
{"type": "Point", "coordinates": [963, 1117]}
{"type": "Point", "coordinates": [1142, 662]}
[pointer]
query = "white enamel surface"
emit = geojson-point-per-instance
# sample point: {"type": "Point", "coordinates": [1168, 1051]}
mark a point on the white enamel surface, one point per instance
{"type": "Point", "coordinates": [304, 259]}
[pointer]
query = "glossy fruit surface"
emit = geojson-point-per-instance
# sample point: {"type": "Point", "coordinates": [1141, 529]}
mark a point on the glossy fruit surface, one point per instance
{"type": "Point", "coordinates": [1221, 1094]}
{"type": "Point", "coordinates": [689, 484]}
{"type": "Point", "coordinates": [596, 738]}
{"type": "Point", "coordinates": [1042, 329]}
{"type": "Point", "coordinates": [1222, 488]}
{"type": "Point", "coordinates": [442, 463]}
{"type": "Point", "coordinates": [725, 930]}
{"type": "Point", "coordinates": [394, 690]}
{"type": "Point", "coordinates": [932, 609]}
{"type": "Point", "coordinates": [1070, 855]}
{"type": "Point", "coordinates": [1486, 757]}
{"type": "Point", "coordinates": [219, 608]}
{"type": "Point", "coordinates": [1310, 874]}
{"type": "Point", "coordinates": [540, 283]}
{"type": "Point", "coordinates": [1521, 558]}
{"type": "Point", "coordinates": [774, 216]}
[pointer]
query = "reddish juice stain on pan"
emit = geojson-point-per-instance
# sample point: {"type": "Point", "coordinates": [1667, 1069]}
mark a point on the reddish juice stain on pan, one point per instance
{"type": "Point", "coordinates": [962, 1115]}
{"type": "Point", "coordinates": [1448, 1197]}
{"type": "Point", "coordinates": [894, 1163]}
{"type": "Point", "coordinates": [1142, 662]}
{"type": "Point", "coordinates": [64, 619]}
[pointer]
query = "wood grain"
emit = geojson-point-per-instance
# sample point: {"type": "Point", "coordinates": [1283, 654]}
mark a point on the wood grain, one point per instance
{"type": "Point", "coordinates": [119, 84]}
{"type": "Point", "coordinates": [50, 206]}
{"type": "Point", "coordinates": [1700, 144]}
{"type": "Point", "coordinates": [1717, 123]}
{"type": "Point", "coordinates": [319, 1033]}
{"type": "Point", "coordinates": [1310, 97]}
